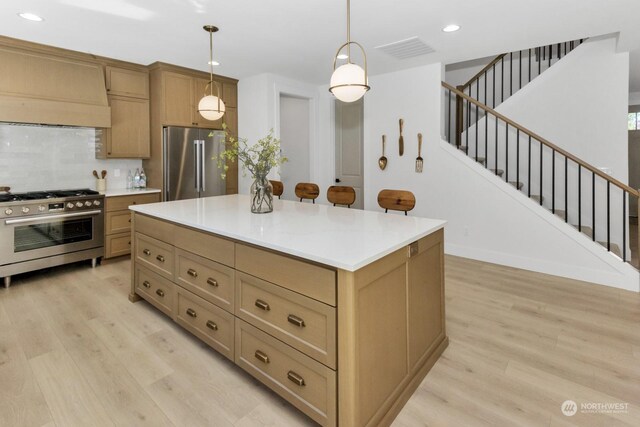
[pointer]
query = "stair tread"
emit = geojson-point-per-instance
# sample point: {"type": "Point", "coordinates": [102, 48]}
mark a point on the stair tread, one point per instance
{"type": "Point", "coordinates": [614, 248]}
{"type": "Point", "coordinates": [518, 184]}
{"type": "Point", "coordinates": [585, 230]}
{"type": "Point", "coordinates": [536, 198]}
{"type": "Point", "coordinates": [500, 171]}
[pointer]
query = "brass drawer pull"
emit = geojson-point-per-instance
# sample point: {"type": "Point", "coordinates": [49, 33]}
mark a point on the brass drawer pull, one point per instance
{"type": "Point", "coordinates": [147, 252]}
{"type": "Point", "coordinates": [212, 325]}
{"type": "Point", "coordinates": [212, 282]}
{"type": "Point", "coordinates": [160, 258]}
{"type": "Point", "coordinates": [160, 292]}
{"type": "Point", "coordinates": [262, 305]}
{"type": "Point", "coordinates": [191, 312]}
{"type": "Point", "coordinates": [146, 284]}
{"type": "Point", "coordinates": [295, 378]}
{"type": "Point", "coordinates": [262, 357]}
{"type": "Point", "coordinates": [296, 320]}
{"type": "Point", "coordinates": [191, 272]}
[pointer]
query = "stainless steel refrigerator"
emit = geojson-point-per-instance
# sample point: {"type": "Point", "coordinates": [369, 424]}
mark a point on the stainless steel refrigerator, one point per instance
{"type": "Point", "coordinates": [190, 170]}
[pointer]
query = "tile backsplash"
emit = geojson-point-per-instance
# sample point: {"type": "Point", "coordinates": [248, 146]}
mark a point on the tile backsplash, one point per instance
{"type": "Point", "coordinates": [49, 158]}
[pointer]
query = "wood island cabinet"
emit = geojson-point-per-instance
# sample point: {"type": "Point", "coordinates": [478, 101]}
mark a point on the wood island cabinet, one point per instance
{"type": "Point", "coordinates": [117, 222]}
{"type": "Point", "coordinates": [347, 348]}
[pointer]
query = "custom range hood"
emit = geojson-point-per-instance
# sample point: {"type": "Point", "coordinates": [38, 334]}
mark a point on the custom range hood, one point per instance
{"type": "Point", "coordinates": [44, 87]}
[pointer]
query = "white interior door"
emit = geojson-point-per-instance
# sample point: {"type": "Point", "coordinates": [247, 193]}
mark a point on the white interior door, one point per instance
{"type": "Point", "coordinates": [294, 140]}
{"type": "Point", "coordinates": [349, 148]}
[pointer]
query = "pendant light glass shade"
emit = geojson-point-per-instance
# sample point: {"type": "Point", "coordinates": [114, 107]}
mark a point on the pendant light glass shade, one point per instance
{"type": "Point", "coordinates": [349, 82]}
{"type": "Point", "coordinates": [211, 106]}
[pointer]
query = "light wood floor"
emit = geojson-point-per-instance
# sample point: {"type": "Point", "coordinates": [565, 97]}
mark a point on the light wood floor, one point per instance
{"type": "Point", "coordinates": [75, 352]}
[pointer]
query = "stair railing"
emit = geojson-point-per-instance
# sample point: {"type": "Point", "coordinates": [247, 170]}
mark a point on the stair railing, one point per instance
{"type": "Point", "coordinates": [535, 145]}
{"type": "Point", "coordinates": [488, 84]}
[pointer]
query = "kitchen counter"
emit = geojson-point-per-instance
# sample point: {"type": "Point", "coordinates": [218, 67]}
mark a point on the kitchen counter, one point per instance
{"type": "Point", "coordinates": [129, 191]}
{"type": "Point", "coordinates": [343, 238]}
{"type": "Point", "coordinates": [339, 311]}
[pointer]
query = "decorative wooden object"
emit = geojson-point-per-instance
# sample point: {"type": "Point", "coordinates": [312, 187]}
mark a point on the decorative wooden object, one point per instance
{"type": "Point", "coordinates": [307, 190]}
{"type": "Point", "coordinates": [396, 200]}
{"type": "Point", "coordinates": [341, 195]}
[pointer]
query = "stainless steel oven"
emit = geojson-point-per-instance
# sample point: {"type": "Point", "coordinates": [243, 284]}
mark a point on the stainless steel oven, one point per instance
{"type": "Point", "coordinates": [44, 229]}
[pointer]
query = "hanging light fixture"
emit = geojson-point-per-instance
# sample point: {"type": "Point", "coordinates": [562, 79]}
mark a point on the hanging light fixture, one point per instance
{"type": "Point", "coordinates": [211, 106]}
{"type": "Point", "coordinates": [349, 82]}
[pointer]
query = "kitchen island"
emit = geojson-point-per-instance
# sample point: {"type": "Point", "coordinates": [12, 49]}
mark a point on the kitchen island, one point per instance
{"type": "Point", "coordinates": [339, 311]}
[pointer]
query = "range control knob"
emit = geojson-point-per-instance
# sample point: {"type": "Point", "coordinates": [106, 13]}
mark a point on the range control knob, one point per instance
{"type": "Point", "coordinates": [42, 208]}
{"type": "Point", "coordinates": [96, 202]}
{"type": "Point", "coordinates": [79, 204]}
{"type": "Point", "coordinates": [70, 205]}
{"type": "Point", "coordinates": [25, 210]}
{"type": "Point", "coordinates": [87, 203]}
{"type": "Point", "coordinates": [8, 211]}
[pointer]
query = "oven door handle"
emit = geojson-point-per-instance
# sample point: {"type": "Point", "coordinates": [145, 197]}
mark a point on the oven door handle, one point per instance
{"type": "Point", "coordinates": [50, 217]}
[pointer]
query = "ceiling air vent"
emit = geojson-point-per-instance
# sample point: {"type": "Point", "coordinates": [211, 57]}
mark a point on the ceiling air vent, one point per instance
{"type": "Point", "coordinates": [405, 49]}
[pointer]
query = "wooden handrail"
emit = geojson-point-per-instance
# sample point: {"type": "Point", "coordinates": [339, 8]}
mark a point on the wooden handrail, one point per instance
{"type": "Point", "coordinates": [481, 72]}
{"type": "Point", "coordinates": [621, 185]}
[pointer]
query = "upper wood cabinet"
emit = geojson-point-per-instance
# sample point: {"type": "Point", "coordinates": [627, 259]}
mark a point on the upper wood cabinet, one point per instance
{"type": "Point", "coordinates": [230, 94]}
{"type": "Point", "coordinates": [125, 82]}
{"type": "Point", "coordinates": [128, 136]}
{"type": "Point", "coordinates": [177, 94]}
{"type": "Point", "coordinates": [128, 93]}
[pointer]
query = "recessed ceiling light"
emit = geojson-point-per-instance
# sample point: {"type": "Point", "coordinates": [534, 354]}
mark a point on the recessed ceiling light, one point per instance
{"type": "Point", "coordinates": [451, 28]}
{"type": "Point", "coordinates": [343, 56]}
{"type": "Point", "coordinates": [30, 16]}
{"type": "Point", "coordinates": [214, 63]}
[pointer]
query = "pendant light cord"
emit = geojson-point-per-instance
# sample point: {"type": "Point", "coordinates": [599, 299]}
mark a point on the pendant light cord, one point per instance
{"type": "Point", "coordinates": [349, 31]}
{"type": "Point", "coordinates": [211, 62]}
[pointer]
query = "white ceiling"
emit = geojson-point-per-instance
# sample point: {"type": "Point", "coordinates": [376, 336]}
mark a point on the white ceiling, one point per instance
{"type": "Point", "coordinates": [299, 38]}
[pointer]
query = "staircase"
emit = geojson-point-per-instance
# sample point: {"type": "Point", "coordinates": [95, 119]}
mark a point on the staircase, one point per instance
{"type": "Point", "coordinates": [579, 194]}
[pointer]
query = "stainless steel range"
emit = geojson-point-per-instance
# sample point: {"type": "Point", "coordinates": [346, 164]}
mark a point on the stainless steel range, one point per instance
{"type": "Point", "coordinates": [42, 229]}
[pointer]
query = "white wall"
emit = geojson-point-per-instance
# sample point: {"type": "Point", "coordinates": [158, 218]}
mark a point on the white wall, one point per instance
{"type": "Point", "coordinates": [485, 221]}
{"type": "Point", "coordinates": [294, 139]}
{"type": "Point", "coordinates": [259, 111]}
{"type": "Point", "coordinates": [634, 98]}
{"type": "Point", "coordinates": [40, 158]}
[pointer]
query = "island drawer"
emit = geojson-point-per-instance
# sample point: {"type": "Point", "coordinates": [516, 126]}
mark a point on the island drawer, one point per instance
{"type": "Point", "coordinates": [119, 203]}
{"type": "Point", "coordinates": [208, 279]}
{"type": "Point", "coordinates": [206, 321]}
{"type": "Point", "coordinates": [308, 279]}
{"type": "Point", "coordinates": [308, 385]}
{"type": "Point", "coordinates": [156, 289]}
{"type": "Point", "coordinates": [155, 255]}
{"type": "Point", "coordinates": [206, 245]}
{"type": "Point", "coordinates": [155, 228]}
{"type": "Point", "coordinates": [303, 323]}
{"type": "Point", "coordinates": [118, 222]}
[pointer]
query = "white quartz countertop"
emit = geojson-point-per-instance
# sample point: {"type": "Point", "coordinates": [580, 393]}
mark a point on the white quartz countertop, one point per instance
{"type": "Point", "coordinates": [129, 191]}
{"type": "Point", "coordinates": [347, 239]}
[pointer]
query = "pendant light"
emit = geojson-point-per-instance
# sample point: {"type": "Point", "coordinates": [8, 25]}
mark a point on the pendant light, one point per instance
{"type": "Point", "coordinates": [349, 82]}
{"type": "Point", "coordinates": [211, 106]}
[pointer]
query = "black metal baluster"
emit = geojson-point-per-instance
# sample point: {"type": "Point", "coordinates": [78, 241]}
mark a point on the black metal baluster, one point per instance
{"type": "Point", "coordinates": [593, 204]}
{"type": "Point", "coordinates": [558, 50]}
{"type": "Point", "coordinates": [529, 66]}
{"type": "Point", "coordinates": [506, 149]}
{"type": "Point", "coordinates": [550, 54]}
{"type": "Point", "coordinates": [449, 121]}
{"type": "Point", "coordinates": [510, 73]}
{"type": "Point", "coordinates": [466, 148]}
{"type": "Point", "coordinates": [529, 166]}
{"type": "Point", "coordinates": [624, 225]}
{"type": "Point", "coordinates": [609, 215]}
{"type": "Point", "coordinates": [539, 62]}
{"type": "Point", "coordinates": [541, 159]}
{"type": "Point", "coordinates": [486, 125]}
{"type": "Point", "coordinates": [502, 80]}
{"type": "Point", "coordinates": [520, 69]}
{"type": "Point", "coordinates": [566, 190]}
{"type": "Point", "coordinates": [485, 89]}
{"type": "Point", "coordinates": [579, 197]}
{"type": "Point", "coordinates": [553, 181]}
{"type": "Point", "coordinates": [494, 86]}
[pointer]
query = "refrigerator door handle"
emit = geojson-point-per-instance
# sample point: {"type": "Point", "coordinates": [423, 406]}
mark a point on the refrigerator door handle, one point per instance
{"type": "Point", "coordinates": [202, 168]}
{"type": "Point", "coordinates": [196, 154]}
